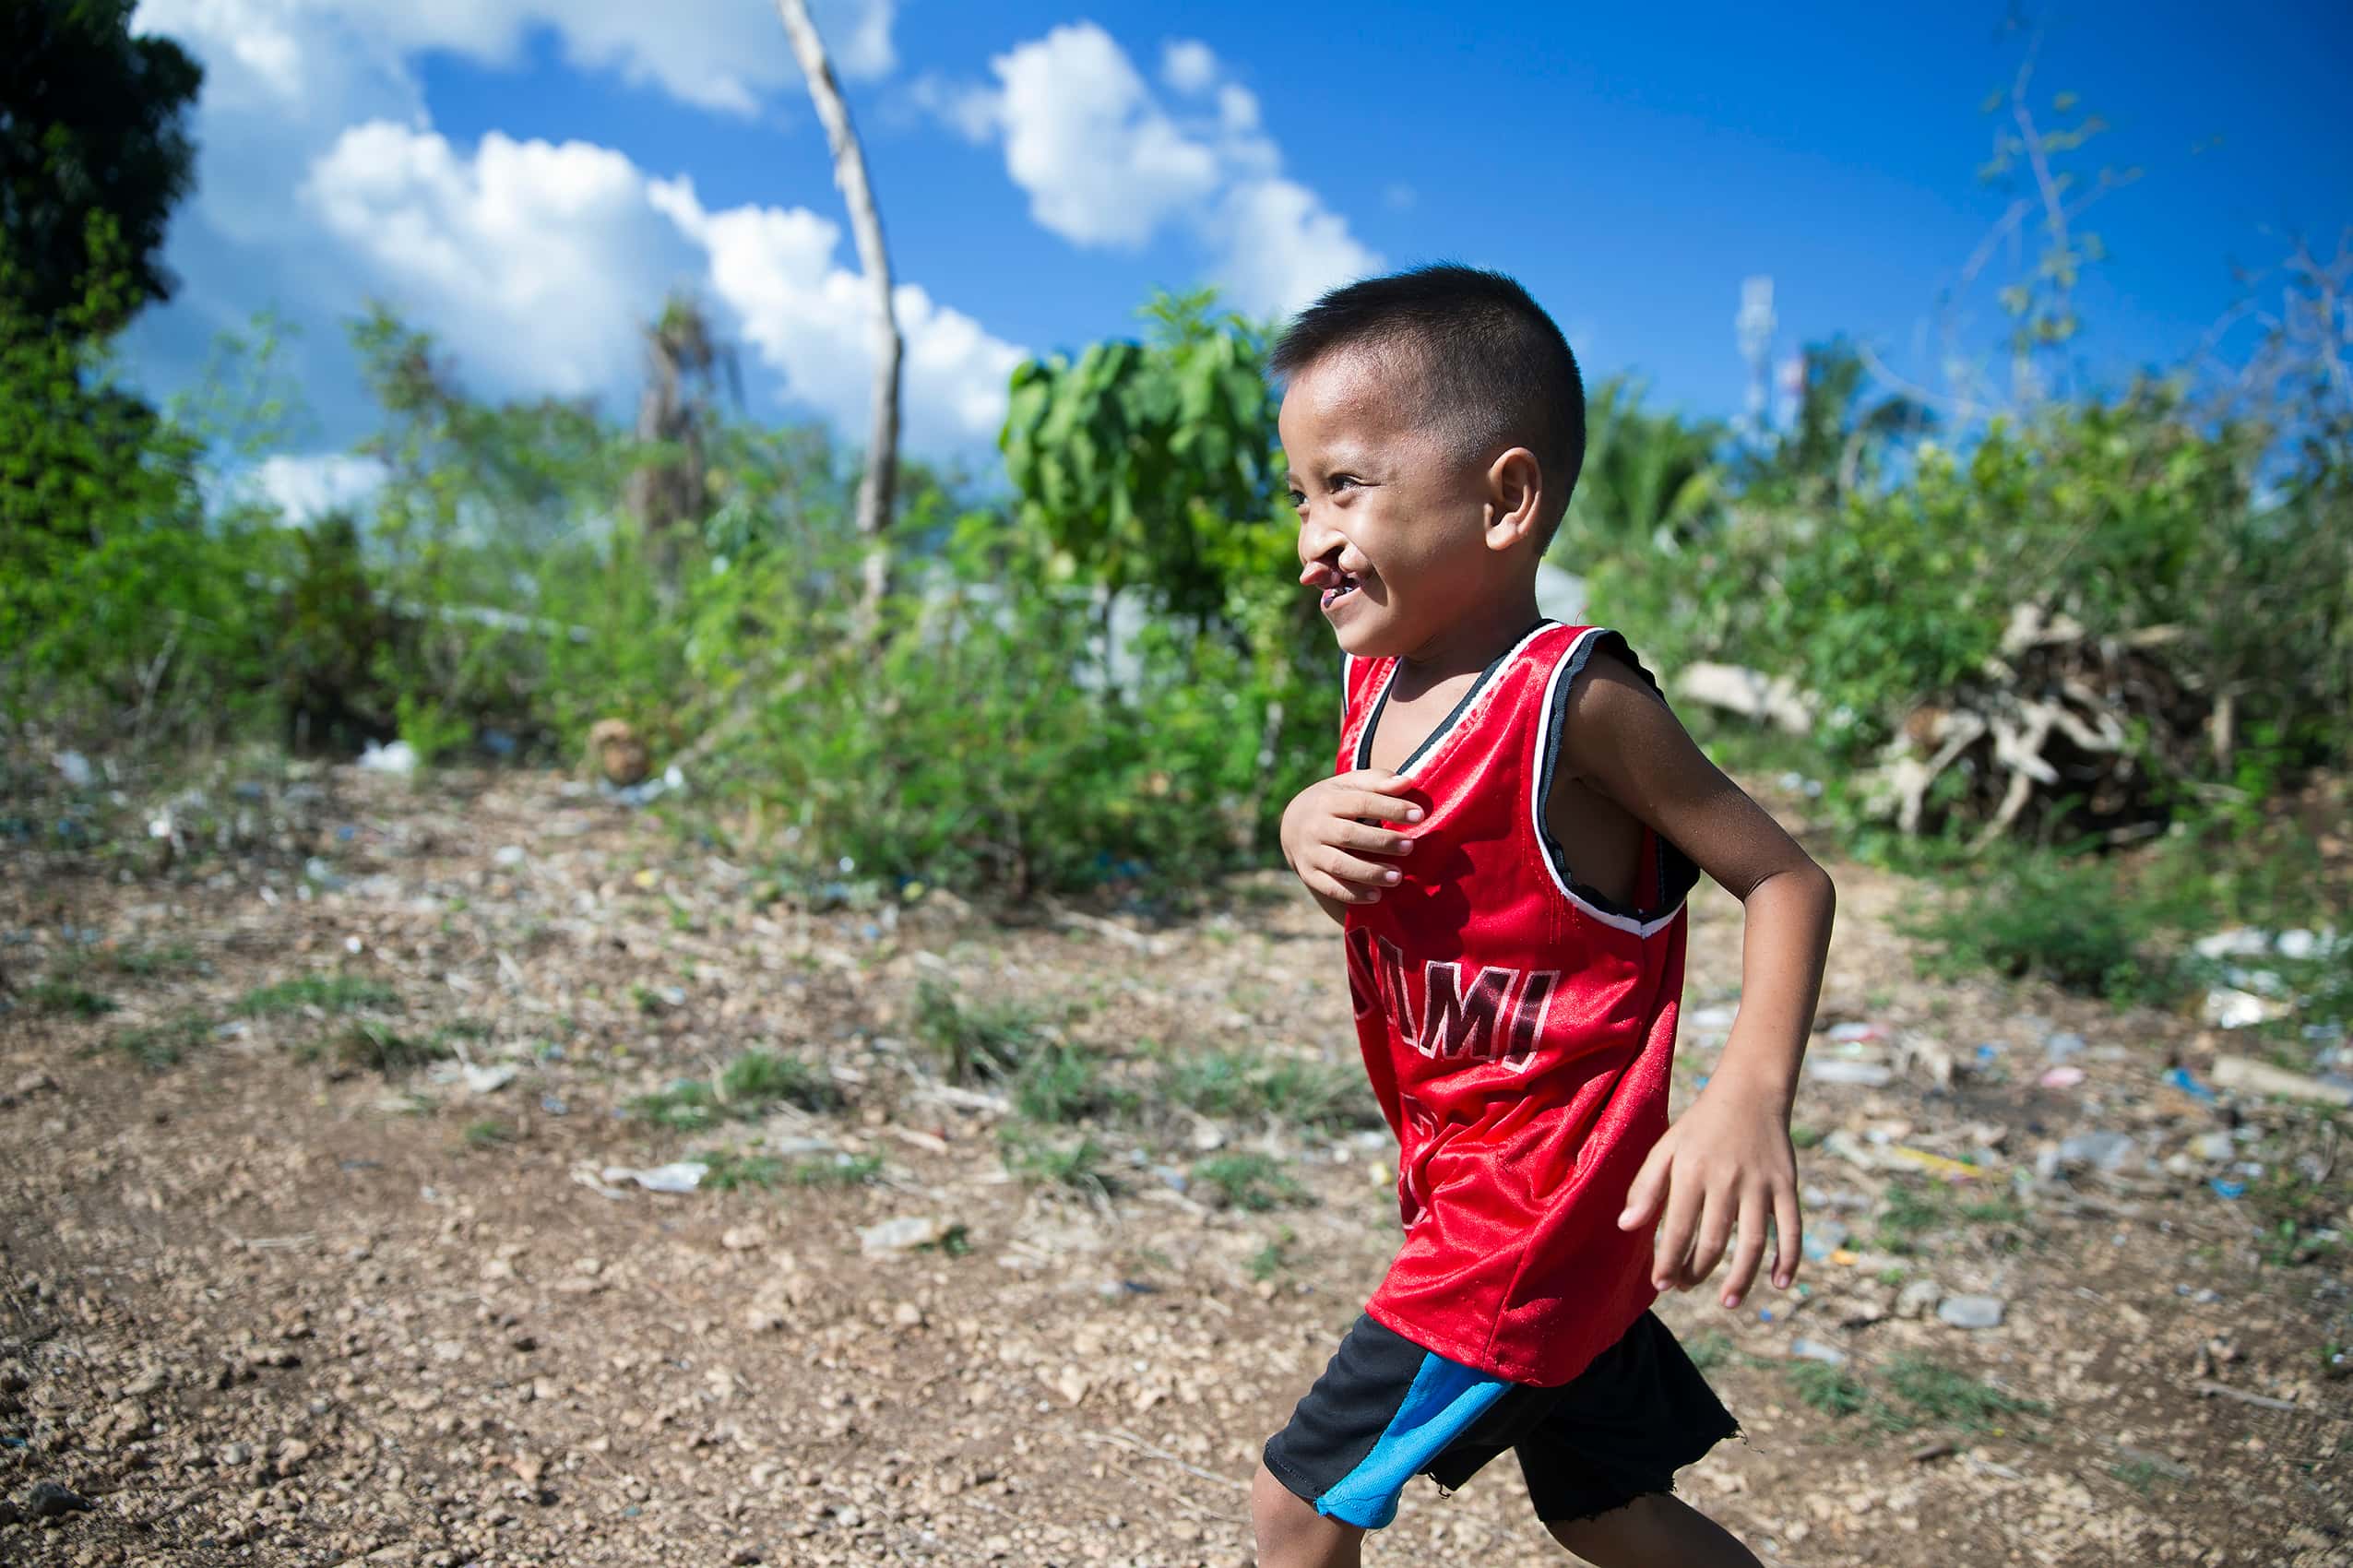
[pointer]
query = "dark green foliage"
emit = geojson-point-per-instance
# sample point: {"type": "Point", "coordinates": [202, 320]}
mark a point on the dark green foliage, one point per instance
{"type": "Point", "coordinates": [378, 1048]}
{"type": "Point", "coordinates": [1833, 1391]}
{"type": "Point", "coordinates": [1056, 1162]}
{"type": "Point", "coordinates": [64, 997]}
{"type": "Point", "coordinates": [91, 127]}
{"type": "Point", "coordinates": [1931, 1392]}
{"type": "Point", "coordinates": [1067, 1083]}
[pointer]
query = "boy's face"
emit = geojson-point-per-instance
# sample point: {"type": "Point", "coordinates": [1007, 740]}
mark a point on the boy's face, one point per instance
{"type": "Point", "coordinates": [1392, 520]}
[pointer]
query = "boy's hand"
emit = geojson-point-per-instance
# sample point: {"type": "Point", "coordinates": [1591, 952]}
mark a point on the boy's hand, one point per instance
{"type": "Point", "coordinates": [1326, 835]}
{"type": "Point", "coordinates": [1728, 1165]}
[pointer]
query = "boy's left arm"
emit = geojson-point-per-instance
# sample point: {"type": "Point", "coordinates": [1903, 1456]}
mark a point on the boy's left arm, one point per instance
{"type": "Point", "coordinates": [1727, 1165]}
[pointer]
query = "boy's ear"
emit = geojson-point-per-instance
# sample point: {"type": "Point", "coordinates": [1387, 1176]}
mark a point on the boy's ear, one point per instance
{"type": "Point", "coordinates": [1514, 497]}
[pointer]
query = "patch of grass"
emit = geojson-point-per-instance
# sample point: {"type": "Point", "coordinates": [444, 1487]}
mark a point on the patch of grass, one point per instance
{"type": "Point", "coordinates": [2042, 914]}
{"type": "Point", "coordinates": [488, 1134]}
{"type": "Point", "coordinates": [146, 963]}
{"type": "Point", "coordinates": [377, 1047]}
{"type": "Point", "coordinates": [1802, 1137]}
{"type": "Point", "coordinates": [971, 1041]}
{"type": "Point", "coordinates": [1065, 1084]}
{"type": "Point", "coordinates": [2001, 1208]}
{"type": "Point", "coordinates": [1833, 1391]}
{"type": "Point", "coordinates": [329, 993]}
{"type": "Point", "coordinates": [1709, 1351]}
{"type": "Point", "coordinates": [1064, 1163]}
{"type": "Point", "coordinates": [57, 996]}
{"type": "Point", "coordinates": [731, 1169]}
{"type": "Point", "coordinates": [956, 1242]}
{"type": "Point", "coordinates": [1904, 1216]}
{"type": "Point", "coordinates": [2139, 1474]}
{"type": "Point", "coordinates": [745, 1087]}
{"type": "Point", "coordinates": [1937, 1393]}
{"type": "Point", "coordinates": [1302, 1092]}
{"type": "Point", "coordinates": [1251, 1182]}
{"type": "Point", "coordinates": [163, 1045]}
{"type": "Point", "coordinates": [1275, 1256]}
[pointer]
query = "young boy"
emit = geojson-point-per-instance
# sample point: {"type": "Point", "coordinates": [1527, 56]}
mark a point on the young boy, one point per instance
{"type": "Point", "coordinates": [1515, 822]}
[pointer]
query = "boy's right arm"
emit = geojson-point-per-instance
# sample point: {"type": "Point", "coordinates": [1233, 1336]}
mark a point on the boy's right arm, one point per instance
{"type": "Point", "coordinates": [1328, 829]}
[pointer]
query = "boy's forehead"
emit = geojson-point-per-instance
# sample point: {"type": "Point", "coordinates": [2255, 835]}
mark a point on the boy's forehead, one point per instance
{"type": "Point", "coordinates": [1358, 391]}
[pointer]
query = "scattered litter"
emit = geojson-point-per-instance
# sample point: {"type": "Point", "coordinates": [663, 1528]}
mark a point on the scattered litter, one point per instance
{"type": "Point", "coordinates": [1856, 1034]}
{"type": "Point", "coordinates": [2226, 1188]}
{"type": "Point", "coordinates": [2182, 1078]}
{"type": "Point", "coordinates": [1971, 1312]}
{"type": "Point", "coordinates": [487, 1079]}
{"type": "Point", "coordinates": [2214, 1147]}
{"type": "Point", "coordinates": [2262, 1077]}
{"type": "Point", "coordinates": [2229, 1009]}
{"type": "Point", "coordinates": [678, 1176]}
{"type": "Point", "coordinates": [896, 1238]}
{"type": "Point", "coordinates": [400, 759]}
{"type": "Point", "coordinates": [2060, 1046]}
{"type": "Point", "coordinates": [648, 791]}
{"type": "Point", "coordinates": [1816, 1350]}
{"type": "Point", "coordinates": [553, 1105]}
{"type": "Point", "coordinates": [2241, 942]}
{"type": "Point", "coordinates": [509, 855]}
{"type": "Point", "coordinates": [1831, 1070]}
{"type": "Point", "coordinates": [1717, 1018]}
{"type": "Point", "coordinates": [2061, 1077]}
{"type": "Point", "coordinates": [2104, 1150]}
{"type": "Point", "coordinates": [75, 768]}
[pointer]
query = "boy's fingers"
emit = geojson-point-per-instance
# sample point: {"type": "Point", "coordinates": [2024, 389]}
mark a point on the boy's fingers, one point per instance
{"type": "Point", "coordinates": [1377, 805]}
{"type": "Point", "coordinates": [1675, 1235]}
{"type": "Point", "coordinates": [1348, 868]}
{"type": "Point", "coordinates": [1720, 1211]}
{"type": "Point", "coordinates": [1333, 888]}
{"type": "Point", "coordinates": [1371, 840]}
{"type": "Point", "coordinates": [1642, 1198]}
{"type": "Point", "coordinates": [1788, 1239]}
{"type": "Point", "coordinates": [1755, 1211]}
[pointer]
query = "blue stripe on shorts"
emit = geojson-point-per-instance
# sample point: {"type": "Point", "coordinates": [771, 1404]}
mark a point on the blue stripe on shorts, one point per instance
{"type": "Point", "coordinates": [1444, 1399]}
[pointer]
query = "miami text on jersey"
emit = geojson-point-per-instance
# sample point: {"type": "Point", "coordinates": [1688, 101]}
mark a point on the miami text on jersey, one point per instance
{"type": "Point", "coordinates": [1495, 1018]}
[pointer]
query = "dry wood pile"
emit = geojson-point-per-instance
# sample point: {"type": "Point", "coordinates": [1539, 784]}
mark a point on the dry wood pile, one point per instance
{"type": "Point", "coordinates": [2057, 721]}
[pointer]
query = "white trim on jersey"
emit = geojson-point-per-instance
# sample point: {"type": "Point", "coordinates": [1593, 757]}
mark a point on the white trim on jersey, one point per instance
{"type": "Point", "coordinates": [1436, 738]}
{"type": "Point", "coordinates": [1570, 663]}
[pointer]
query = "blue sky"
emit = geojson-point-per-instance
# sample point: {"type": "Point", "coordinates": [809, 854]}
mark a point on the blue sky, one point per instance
{"type": "Point", "coordinates": [528, 177]}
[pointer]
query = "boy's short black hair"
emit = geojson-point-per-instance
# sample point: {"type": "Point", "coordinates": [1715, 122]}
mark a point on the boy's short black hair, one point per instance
{"type": "Point", "coordinates": [1495, 371]}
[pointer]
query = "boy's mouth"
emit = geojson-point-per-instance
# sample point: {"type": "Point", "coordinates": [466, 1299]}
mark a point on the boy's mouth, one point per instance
{"type": "Point", "coordinates": [1345, 587]}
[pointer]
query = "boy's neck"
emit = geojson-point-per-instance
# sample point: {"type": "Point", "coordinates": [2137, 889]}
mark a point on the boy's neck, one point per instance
{"type": "Point", "coordinates": [1473, 642]}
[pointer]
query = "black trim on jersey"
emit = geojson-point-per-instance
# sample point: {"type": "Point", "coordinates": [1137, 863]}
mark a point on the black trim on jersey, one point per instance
{"type": "Point", "coordinates": [1372, 720]}
{"type": "Point", "coordinates": [1676, 872]}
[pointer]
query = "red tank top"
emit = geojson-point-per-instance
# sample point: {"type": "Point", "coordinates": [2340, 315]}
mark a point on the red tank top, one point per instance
{"type": "Point", "coordinates": [1517, 1026]}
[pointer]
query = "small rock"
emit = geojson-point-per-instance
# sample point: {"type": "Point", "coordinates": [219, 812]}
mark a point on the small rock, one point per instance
{"type": "Point", "coordinates": [1917, 1297]}
{"type": "Point", "coordinates": [2104, 1150]}
{"type": "Point", "coordinates": [907, 1314]}
{"type": "Point", "coordinates": [897, 1238]}
{"type": "Point", "coordinates": [48, 1500]}
{"type": "Point", "coordinates": [1971, 1312]}
{"type": "Point", "coordinates": [741, 1239]}
{"type": "Point", "coordinates": [237, 1453]}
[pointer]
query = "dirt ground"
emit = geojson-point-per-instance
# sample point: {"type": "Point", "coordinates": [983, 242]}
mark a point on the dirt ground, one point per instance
{"type": "Point", "coordinates": [268, 1302]}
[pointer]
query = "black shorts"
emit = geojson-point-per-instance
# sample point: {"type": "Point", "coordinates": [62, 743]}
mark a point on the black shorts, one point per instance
{"type": "Point", "coordinates": [1386, 1410]}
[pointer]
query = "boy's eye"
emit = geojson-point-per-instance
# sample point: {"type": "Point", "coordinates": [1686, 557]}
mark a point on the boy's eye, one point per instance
{"type": "Point", "coordinates": [1297, 500]}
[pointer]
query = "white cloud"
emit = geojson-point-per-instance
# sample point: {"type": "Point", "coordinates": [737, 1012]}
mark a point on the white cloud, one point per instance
{"type": "Point", "coordinates": [534, 262]}
{"type": "Point", "coordinates": [321, 179]}
{"type": "Point", "coordinates": [1106, 163]}
{"type": "Point", "coordinates": [1187, 64]}
{"type": "Point", "coordinates": [808, 319]}
{"type": "Point", "coordinates": [1284, 246]}
{"type": "Point", "coordinates": [305, 486]}
{"type": "Point", "coordinates": [1103, 164]}
{"type": "Point", "coordinates": [723, 54]}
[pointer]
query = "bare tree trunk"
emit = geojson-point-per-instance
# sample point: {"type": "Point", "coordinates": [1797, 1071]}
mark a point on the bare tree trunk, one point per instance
{"type": "Point", "coordinates": [874, 490]}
